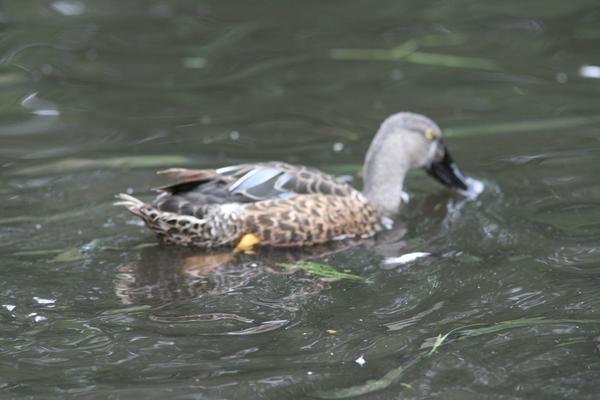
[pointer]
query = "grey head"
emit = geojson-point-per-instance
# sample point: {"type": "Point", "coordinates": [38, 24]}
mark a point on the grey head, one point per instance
{"type": "Point", "coordinates": [406, 141]}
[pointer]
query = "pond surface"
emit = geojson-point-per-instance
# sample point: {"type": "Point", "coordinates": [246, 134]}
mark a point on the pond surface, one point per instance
{"type": "Point", "coordinates": [97, 95]}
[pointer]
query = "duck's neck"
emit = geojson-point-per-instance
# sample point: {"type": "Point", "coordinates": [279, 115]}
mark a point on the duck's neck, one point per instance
{"type": "Point", "coordinates": [383, 188]}
{"type": "Point", "coordinates": [384, 172]}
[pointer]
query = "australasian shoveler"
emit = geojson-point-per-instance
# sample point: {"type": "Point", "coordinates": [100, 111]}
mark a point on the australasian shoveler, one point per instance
{"type": "Point", "coordinates": [278, 204]}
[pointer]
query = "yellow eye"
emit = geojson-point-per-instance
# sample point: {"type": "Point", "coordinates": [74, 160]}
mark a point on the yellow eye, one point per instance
{"type": "Point", "coordinates": [430, 135]}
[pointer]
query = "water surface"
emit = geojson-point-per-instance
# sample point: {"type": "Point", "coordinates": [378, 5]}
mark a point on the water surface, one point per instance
{"type": "Point", "coordinates": [97, 95]}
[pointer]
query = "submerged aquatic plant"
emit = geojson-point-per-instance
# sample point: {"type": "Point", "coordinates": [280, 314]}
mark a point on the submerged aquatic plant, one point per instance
{"type": "Point", "coordinates": [322, 270]}
{"type": "Point", "coordinates": [409, 51]}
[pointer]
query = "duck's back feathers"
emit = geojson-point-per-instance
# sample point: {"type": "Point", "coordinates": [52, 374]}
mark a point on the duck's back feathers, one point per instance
{"type": "Point", "coordinates": [258, 181]}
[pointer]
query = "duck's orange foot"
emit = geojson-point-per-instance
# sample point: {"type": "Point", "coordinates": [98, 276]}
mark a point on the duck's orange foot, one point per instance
{"type": "Point", "coordinates": [246, 244]}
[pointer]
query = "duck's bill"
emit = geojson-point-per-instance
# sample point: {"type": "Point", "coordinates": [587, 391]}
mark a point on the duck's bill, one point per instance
{"type": "Point", "coordinates": [447, 173]}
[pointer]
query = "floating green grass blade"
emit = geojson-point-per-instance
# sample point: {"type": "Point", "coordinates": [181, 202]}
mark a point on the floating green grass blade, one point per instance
{"type": "Point", "coordinates": [28, 253]}
{"type": "Point", "coordinates": [439, 340]}
{"type": "Point", "coordinates": [409, 52]}
{"type": "Point", "coordinates": [319, 269]}
{"type": "Point", "coordinates": [69, 255]}
{"type": "Point", "coordinates": [446, 60]}
{"type": "Point", "coordinates": [393, 54]}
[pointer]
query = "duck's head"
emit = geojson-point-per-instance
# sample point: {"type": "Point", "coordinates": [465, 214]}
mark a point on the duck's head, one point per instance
{"type": "Point", "coordinates": [406, 141]}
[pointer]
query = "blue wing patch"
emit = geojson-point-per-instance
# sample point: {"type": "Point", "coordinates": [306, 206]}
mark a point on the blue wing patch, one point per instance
{"type": "Point", "coordinates": [263, 182]}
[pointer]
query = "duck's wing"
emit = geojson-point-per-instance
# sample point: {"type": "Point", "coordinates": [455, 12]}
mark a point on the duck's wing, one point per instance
{"type": "Point", "coordinates": [252, 182]}
{"type": "Point", "coordinates": [280, 180]}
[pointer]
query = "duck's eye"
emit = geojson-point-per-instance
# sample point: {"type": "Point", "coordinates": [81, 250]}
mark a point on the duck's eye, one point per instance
{"type": "Point", "coordinates": [430, 135]}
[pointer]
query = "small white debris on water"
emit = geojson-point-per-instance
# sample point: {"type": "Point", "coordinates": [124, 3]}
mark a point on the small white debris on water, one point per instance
{"type": "Point", "coordinates": [8, 307]}
{"type": "Point", "coordinates": [474, 188]}
{"type": "Point", "coordinates": [234, 135]}
{"type": "Point", "coordinates": [309, 373]}
{"type": "Point", "coordinates": [405, 258]}
{"type": "Point", "coordinates": [360, 360]}
{"type": "Point", "coordinates": [41, 300]}
{"type": "Point", "coordinates": [36, 317]}
{"type": "Point", "coordinates": [338, 146]}
{"type": "Point", "coordinates": [405, 197]}
{"type": "Point", "coordinates": [590, 71]}
{"type": "Point", "coordinates": [46, 112]}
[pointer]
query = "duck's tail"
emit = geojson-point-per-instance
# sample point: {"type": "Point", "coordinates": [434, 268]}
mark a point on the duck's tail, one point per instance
{"type": "Point", "coordinates": [154, 218]}
{"type": "Point", "coordinates": [135, 206]}
{"type": "Point", "coordinates": [172, 228]}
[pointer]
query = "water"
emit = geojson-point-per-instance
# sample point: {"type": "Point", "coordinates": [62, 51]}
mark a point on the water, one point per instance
{"type": "Point", "coordinates": [96, 96]}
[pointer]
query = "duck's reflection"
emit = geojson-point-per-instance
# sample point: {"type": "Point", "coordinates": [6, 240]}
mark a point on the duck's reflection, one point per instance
{"type": "Point", "coordinates": [168, 273]}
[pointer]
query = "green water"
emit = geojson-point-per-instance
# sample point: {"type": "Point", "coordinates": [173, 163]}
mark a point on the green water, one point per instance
{"type": "Point", "coordinates": [97, 95]}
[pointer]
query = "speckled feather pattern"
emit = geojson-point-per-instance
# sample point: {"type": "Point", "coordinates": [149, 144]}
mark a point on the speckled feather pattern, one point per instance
{"type": "Point", "coordinates": [310, 219]}
{"type": "Point", "coordinates": [289, 206]}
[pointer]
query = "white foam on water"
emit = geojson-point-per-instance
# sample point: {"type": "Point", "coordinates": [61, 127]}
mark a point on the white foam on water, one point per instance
{"type": "Point", "coordinates": [405, 258]}
{"type": "Point", "coordinates": [41, 300]}
{"type": "Point", "coordinates": [474, 188]}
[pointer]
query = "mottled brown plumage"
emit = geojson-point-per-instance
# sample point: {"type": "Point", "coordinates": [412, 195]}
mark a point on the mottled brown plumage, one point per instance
{"type": "Point", "coordinates": [281, 204]}
{"type": "Point", "coordinates": [310, 219]}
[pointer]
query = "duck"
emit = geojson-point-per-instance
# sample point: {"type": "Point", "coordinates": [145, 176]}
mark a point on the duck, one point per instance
{"type": "Point", "coordinates": [283, 205]}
